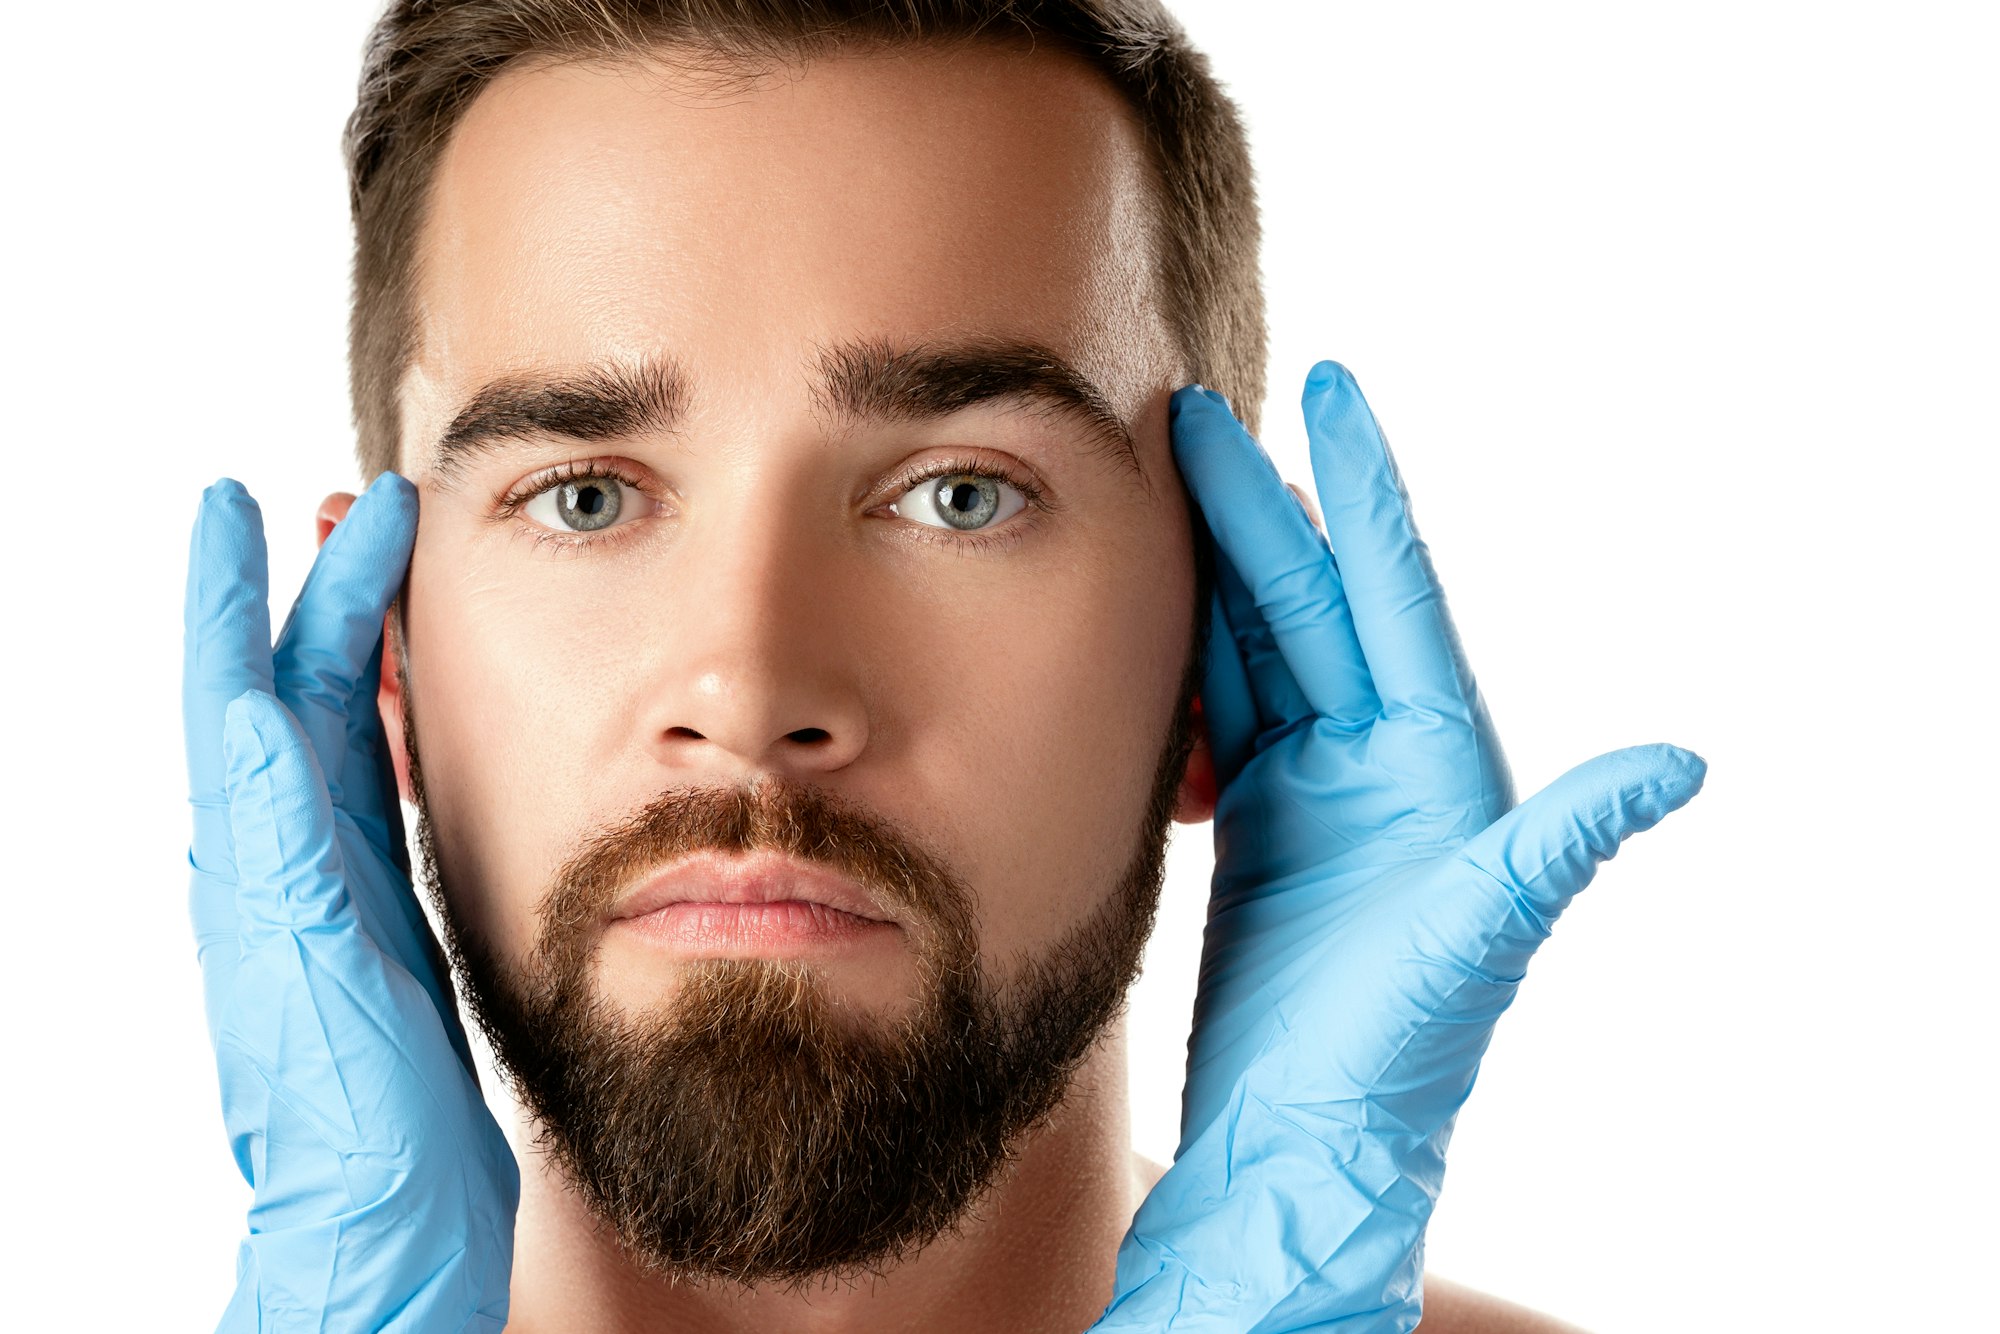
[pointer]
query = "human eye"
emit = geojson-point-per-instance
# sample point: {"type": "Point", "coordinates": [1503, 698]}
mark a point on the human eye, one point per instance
{"type": "Point", "coordinates": [578, 501]}
{"type": "Point", "coordinates": [963, 496]}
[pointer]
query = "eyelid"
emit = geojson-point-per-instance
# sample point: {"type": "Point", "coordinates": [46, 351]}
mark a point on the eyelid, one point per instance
{"type": "Point", "coordinates": [1018, 476]}
{"type": "Point", "coordinates": [570, 470]}
{"type": "Point", "coordinates": [509, 511]}
{"type": "Point", "coordinates": [909, 503]}
{"type": "Point", "coordinates": [1038, 502]}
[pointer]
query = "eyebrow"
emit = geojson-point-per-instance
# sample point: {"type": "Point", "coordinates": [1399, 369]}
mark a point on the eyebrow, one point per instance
{"type": "Point", "coordinates": [858, 382]}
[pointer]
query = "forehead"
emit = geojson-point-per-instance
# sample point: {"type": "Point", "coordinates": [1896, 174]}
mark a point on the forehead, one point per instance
{"type": "Point", "coordinates": [594, 209]}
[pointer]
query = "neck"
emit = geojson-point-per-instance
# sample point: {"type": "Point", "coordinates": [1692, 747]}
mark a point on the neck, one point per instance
{"type": "Point", "coordinates": [1035, 1253]}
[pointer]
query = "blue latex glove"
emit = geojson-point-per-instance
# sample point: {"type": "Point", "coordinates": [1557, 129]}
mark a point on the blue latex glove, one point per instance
{"type": "Point", "coordinates": [384, 1190]}
{"type": "Point", "coordinates": [1376, 899]}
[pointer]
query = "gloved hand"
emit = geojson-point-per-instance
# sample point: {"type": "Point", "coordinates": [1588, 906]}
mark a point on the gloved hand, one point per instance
{"type": "Point", "coordinates": [1376, 898]}
{"type": "Point", "coordinates": [384, 1192]}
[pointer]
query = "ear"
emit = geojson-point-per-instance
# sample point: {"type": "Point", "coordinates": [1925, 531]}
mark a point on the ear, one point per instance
{"type": "Point", "coordinates": [388, 699]}
{"type": "Point", "coordinates": [1196, 800]}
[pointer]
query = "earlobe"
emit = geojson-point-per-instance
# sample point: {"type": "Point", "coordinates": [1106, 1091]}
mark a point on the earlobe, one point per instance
{"type": "Point", "coordinates": [1195, 801]}
{"type": "Point", "coordinates": [389, 699]}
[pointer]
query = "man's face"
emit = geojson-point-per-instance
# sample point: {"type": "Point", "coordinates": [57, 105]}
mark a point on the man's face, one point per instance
{"type": "Point", "coordinates": [694, 353]}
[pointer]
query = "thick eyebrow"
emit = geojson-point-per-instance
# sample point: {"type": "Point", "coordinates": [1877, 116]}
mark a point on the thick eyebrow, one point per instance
{"type": "Point", "coordinates": [613, 401]}
{"type": "Point", "coordinates": [870, 380]}
{"type": "Point", "coordinates": [858, 382]}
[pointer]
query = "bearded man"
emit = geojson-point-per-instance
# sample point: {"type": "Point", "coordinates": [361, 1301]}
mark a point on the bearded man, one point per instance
{"type": "Point", "coordinates": [830, 587]}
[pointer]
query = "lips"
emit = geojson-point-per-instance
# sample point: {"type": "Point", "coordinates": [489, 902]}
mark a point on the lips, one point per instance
{"type": "Point", "coordinates": [754, 879]}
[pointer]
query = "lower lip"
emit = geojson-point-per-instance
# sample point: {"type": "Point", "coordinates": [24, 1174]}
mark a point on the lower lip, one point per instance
{"type": "Point", "coordinates": [739, 930]}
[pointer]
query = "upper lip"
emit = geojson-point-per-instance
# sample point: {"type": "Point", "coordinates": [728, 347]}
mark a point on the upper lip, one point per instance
{"type": "Point", "coordinates": [757, 877]}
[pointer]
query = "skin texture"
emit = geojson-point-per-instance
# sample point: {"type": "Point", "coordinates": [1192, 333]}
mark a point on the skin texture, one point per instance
{"type": "Point", "coordinates": [766, 612]}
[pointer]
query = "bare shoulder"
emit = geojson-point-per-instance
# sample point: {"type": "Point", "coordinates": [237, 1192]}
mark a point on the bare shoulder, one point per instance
{"type": "Point", "coordinates": [1453, 1308]}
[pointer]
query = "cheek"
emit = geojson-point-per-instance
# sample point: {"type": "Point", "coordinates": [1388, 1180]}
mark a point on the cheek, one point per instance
{"type": "Point", "coordinates": [1049, 733]}
{"type": "Point", "coordinates": [502, 709]}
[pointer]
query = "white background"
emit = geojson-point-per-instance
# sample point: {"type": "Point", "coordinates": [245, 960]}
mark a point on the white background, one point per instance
{"type": "Point", "coordinates": [1682, 320]}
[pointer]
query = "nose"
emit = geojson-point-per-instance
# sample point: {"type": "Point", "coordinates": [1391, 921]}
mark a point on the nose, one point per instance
{"type": "Point", "coordinates": [760, 661]}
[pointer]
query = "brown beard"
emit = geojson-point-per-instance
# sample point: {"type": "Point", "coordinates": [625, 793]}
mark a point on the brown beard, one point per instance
{"type": "Point", "coordinates": [749, 1132]}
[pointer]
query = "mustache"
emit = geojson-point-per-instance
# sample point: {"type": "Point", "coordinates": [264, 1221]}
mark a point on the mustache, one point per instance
{"type": "Point", "coordinates": [773, 813]}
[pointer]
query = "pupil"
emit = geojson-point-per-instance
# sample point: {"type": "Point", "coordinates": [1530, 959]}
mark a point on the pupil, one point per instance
{"type": "Point", "coordinates": [589, 500]}
{"type": "Point", "coordinates": [964, 497]}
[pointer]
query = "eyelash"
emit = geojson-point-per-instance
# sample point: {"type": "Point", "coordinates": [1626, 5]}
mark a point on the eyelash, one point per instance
{"type": "Point", "coordinates": [1038, 503]}
{"type": "Point", "coordinates": [572, 471]}
{"type": "Point", "coordinates": [575, 470]}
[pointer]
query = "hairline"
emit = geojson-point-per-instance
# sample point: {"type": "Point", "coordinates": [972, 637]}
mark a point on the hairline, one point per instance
{"type": "Point", "coordinates": [738, 68]}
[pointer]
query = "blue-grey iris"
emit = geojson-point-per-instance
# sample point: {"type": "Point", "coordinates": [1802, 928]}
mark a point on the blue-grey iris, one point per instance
{"type": "Point", "coordinates": [588, 503]}
{"type": "Point", "coordinates": [967, 501]}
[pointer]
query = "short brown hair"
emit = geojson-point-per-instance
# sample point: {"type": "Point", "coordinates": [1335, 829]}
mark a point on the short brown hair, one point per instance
{"type": "Point", "coordinates": [427, 59]}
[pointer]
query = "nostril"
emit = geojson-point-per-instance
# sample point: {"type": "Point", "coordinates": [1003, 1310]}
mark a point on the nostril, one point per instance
{"type": "Point", "coordinates": [810, 734]}
{"type": "Point", "coordinates": [684, 731]}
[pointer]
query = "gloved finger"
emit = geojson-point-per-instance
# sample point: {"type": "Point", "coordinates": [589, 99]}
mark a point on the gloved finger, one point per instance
{"type": "Point", "coordinates": [1278, 701]}
{"type": "Point", "coordinates": [1227, 707]}
{"type": "Point", "coordinates": [293, 877]}
{"type": "Point", "coordinates": [1399, 611]}
{"type": "Point", "coordinates": [309, 1002]}
{"type": "Point", "coordinates": [290, 874]}
{"type": "Point", "coordinates": [1277, 552]}
{"type": "Point", "coordinates": [226, 651]}
{"type": "Point", "coordinates": [336, 623]}
{"type": "Point", "coordinates": [1274, 698]}
{"type": "Point", "coordinates": [368, 786]}
{"type": "Point", "coordinates": [1544, 851]}
{"type": "Point", "coordinates": [387, 904]}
